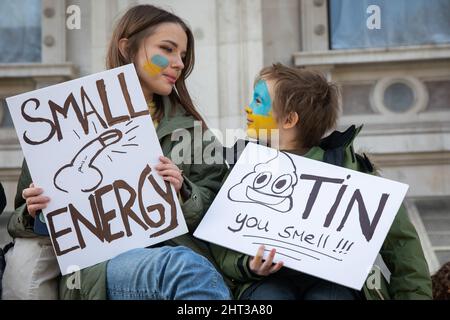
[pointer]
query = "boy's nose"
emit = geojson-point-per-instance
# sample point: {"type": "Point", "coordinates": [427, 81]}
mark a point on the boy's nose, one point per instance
{"type": "Point", "coordinates": [248, 110]}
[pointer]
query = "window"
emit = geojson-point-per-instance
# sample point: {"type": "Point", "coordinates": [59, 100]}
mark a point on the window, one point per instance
{"type": "Point", "coordinates": [431, 217]}
{"type": "Point", "coordinates": [398, 97]}
{"type": "Point", "coordinates": [20, 31]}
{"type": "Point", "coordinates": [435, 215]}
{"type": "Point", "coordinates": [403, 23]}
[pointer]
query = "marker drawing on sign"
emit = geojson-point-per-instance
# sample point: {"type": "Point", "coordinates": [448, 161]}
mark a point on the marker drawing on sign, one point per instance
{"type": "Point", "coordinates": [268, 185]}
{"type": "Point", "coordinates": [82, 169]}
{"type": "Point", "coordinates": [312, 251]}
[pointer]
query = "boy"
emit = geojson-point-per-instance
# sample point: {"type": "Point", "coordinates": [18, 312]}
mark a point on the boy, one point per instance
{"type": "Point", "coordinates": [304, 107]}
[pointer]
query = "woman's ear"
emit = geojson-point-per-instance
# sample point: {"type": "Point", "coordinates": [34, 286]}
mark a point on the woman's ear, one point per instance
{"type": "Point", "coordinates": [123, 44]}
{"type": "Point", "coordinates": [291, 120]}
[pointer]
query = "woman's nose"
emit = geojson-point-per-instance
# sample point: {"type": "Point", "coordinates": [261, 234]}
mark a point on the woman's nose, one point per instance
{"type": "Point", "coordinates": [178, 63]}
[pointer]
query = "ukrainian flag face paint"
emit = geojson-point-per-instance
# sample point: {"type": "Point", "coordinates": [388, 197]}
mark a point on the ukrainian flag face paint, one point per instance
{"type": "Point", "coordinates": [259, 112]}
{"type": "Point", "coordinates": [157, 64]}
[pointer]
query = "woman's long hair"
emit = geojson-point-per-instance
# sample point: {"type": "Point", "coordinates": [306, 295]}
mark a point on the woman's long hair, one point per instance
{"type": "Point", "coordinates": [138, 23]}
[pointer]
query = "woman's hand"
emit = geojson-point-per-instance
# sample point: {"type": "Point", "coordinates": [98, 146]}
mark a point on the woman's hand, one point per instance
{"type": "Point", "coordinates": [265, 268]}
{"type": "Point", "coordinates": [34, 199]}
{"type": "Point", "coordinates": [170, 172]}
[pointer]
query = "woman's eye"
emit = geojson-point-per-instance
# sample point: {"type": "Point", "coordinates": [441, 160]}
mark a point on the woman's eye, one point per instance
{"type": "Point", "coordinates": [167, 49]}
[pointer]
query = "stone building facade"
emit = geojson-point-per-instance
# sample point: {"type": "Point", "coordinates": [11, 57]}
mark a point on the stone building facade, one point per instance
{"type": "Point", "coordinates": [395, 83]}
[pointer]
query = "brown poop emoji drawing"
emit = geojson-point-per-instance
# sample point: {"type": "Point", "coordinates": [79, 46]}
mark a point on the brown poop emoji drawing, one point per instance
{"type": "Point", "coordinates": [271, 184]}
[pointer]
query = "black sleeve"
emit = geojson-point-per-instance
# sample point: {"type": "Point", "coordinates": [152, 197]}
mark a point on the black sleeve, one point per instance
{"type": "Point", "coordinates": [2, 199]}
{"type": "Point", "coordinates": [24, 182]}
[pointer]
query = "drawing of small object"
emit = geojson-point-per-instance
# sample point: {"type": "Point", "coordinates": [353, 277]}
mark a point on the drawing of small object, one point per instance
{"type": "Point", "coordinates": [81, 172]}
{"type": "Point", "coordinates": [268, 185]}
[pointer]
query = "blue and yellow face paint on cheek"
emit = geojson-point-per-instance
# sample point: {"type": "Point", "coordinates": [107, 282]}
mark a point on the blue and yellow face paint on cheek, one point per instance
{"type": "Point", "coordinates": [157, 64]}
{"type": "Point", "coordinates": [259, 112]}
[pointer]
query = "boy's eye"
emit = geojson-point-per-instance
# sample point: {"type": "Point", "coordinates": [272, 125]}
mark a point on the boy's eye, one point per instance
{"type": "Point", "coordinates": [258, 100]}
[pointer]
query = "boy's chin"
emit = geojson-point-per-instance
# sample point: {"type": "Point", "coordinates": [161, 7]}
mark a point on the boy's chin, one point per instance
{"type": "Point", "coordinates": [252, 132]}
{"type": "Point", "coordinates": [262, 135]}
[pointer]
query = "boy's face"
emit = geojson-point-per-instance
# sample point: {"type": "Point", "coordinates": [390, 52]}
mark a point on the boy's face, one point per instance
{"type": "Point", "coordinates": [259, 113]}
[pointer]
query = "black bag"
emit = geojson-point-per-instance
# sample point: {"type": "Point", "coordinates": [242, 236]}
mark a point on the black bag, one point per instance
{"type": "Point", "coordinates": [3, 263]}
{"type": "Point", "coordinates": [2, 199]}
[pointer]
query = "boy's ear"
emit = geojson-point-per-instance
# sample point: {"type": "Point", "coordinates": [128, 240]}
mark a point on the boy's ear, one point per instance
{"type": "Point", "coordinates": [291, 120]}
{"type": "Point", "coordinates": [123, 44]}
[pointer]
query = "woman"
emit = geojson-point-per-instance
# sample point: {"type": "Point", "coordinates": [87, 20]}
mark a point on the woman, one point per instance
{"type": "Point", "coordinates": [161, 47]}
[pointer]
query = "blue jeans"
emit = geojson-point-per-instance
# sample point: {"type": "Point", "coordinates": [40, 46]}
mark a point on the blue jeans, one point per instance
{"type": "Point", "coordinates": [288, 284]}
{"type": "Point", "coordinates": [164, 273]}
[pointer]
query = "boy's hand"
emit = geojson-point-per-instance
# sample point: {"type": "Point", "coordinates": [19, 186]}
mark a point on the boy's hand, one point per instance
{"type": "Point", "coordinates": [170, 172]}
{"type": "Point", "coordinates": [34, 199]}
{"type": "Point", "coordinates": [265, 268]}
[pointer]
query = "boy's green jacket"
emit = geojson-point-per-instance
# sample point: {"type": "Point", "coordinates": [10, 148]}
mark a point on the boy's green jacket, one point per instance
{"type": "Point", "coordinates": [203, 182]}
{"type": "Point", "coordinates": [401, 251]}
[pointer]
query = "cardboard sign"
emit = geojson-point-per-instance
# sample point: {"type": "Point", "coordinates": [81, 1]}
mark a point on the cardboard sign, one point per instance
{"type": "Point", "coordinates": [323, 220]}
{"type": "Point", "coordinates": [91, 145]}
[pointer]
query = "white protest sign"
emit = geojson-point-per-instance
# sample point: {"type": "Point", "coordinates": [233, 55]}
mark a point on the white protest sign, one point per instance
{"type": "Point", "coordinates": [91, 145]}
{"type": "Point", "coordinates": [323, 220]}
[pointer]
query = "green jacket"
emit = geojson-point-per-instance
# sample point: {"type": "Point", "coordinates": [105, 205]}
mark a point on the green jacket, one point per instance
{"type": "Point", "coordinates": [401, 251]}
{"type": "Point", "coordinates": [202, 181]}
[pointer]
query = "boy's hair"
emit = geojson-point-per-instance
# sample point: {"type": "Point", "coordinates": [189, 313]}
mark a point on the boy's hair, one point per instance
{"type": "Point", "coordinates": [307, 92]}
{"type": "Point", "coordinates": [441, 283]}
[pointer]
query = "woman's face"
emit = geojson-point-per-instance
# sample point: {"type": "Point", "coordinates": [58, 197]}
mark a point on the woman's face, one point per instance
{"type": "Point", "coordinates": [159, 61]}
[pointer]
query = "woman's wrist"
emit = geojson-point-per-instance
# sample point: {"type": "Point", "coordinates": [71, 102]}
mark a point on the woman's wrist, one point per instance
{"type": "Point", "coordinates": [185, 191]}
